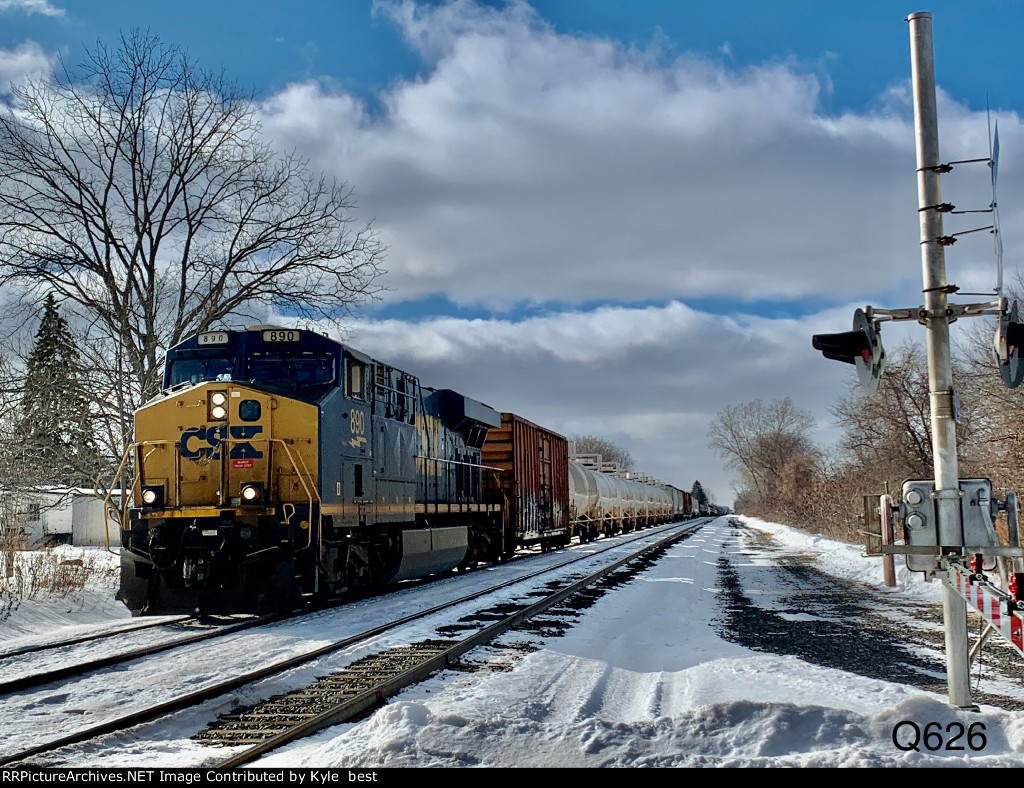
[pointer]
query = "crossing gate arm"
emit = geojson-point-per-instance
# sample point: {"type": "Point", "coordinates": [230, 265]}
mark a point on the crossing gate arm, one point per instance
{"type": "Point", "coordinates": [996, 606]}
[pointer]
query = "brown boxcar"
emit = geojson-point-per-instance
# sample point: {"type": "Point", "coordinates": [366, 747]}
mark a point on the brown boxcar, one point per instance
{"type": "Point", "coordinates": [533, 481]}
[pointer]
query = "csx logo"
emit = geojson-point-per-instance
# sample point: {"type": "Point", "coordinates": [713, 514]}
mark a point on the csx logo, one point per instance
{"type": "Point", "coordinates": [203, 443]}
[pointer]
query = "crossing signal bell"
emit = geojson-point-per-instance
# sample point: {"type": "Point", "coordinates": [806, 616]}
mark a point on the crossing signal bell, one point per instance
{"type": "Point", "coordinates": [862, 347]}
{"type": "Point", "coordinates": [1007, 346]}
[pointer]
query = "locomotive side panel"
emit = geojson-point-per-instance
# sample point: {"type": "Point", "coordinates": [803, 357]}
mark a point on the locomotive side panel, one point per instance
{"type": "Point", "coordinates": [345, 426]}
{"type": "Point", "coordinates": [395, 443]}
{"type": "Point", "coordinates": [453, 433]}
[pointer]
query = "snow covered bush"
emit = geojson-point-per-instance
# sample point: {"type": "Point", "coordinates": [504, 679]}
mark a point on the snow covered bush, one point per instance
{"type": "Point", "coordinates": [52, 573]}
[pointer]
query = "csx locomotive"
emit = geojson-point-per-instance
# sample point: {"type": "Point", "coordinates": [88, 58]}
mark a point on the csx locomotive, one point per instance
{"type": "Point", "coordinates": [279, 466]}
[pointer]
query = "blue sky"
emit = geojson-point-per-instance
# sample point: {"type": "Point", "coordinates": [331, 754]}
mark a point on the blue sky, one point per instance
{"type": "Point", "coordinates": [861, 46]}
{"type": "Point", "coordinates": [612, 217]}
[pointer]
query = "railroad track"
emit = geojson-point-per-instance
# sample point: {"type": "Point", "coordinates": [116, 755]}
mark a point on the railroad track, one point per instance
{"type": "Point", "coordinates": [19, 676]}
{"type": "Point", "coordinates": [352, 702]}
{"type": "Point", "coordinates": [89, 637]}
{"type": "Point", "coordinates": [360, 687]}
{"type": "Point", "coordinates": [74, 667]}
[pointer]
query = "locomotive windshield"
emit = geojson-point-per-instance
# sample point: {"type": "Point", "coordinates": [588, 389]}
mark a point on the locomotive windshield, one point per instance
{"type": "Point", "coordinates": [308, 373]}
{"type": "Point", "coordinates": [199, 367]}
{"type": "Point", "coordinates": [291, 369]}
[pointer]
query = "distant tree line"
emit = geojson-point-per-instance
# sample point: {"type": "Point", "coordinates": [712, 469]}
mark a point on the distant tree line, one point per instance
{"type": "Point", "coordinates": [885, 438]}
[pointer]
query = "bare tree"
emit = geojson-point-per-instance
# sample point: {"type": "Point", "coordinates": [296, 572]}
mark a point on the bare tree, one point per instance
{"type": "Point", "coordinates": [886, 439]}
{"type": "Point", "coordinates": [998, 446]}
{"type": "Point", "coordinates": [142, 193]}
{"type": "Point", "coordinates": [592, 444]}
{"type": "Point", "coordinates": [763, 443]}
{"type": "Point", "coordinates": [888, 435]}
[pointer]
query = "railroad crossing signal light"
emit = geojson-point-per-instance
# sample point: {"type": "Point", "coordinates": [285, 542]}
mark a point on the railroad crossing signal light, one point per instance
{"type": "Point", "coordinates": [862, 347]}
{"type": "Point", "coordinates": [1007, 346]}
{"type": "Point", "coordinates": [1016, 586]}
{"type": "Point", "coordinates": [843, 347]}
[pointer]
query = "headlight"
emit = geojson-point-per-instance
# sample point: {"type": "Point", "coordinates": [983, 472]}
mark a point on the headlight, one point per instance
{"type": "Point", "coordinates": [218, 406]}
{"type": "Point", "coordinates": [252, 492]}
{"type": "Point", "coordinates": [152, 496]}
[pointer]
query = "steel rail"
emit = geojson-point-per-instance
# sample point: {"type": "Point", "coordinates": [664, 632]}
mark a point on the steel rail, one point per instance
{"type": "Point", "coordinates": [150, 624]}
{"type": "Point", "coordinates": [70, 671]}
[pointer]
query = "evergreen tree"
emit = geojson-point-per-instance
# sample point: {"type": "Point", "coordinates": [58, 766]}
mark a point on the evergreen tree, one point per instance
{"type": "Point", "coordinates": [698, 494]}
{"type": "Point", "coordinates": [54, 441]}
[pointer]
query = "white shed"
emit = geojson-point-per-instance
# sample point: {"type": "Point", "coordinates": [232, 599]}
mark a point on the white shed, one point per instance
{"type": "Point", "coordinates": [70, 515]}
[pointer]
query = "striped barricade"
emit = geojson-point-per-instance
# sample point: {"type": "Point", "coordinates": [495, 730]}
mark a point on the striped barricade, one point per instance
{"type": "Point", "coordinates": [991, 602]}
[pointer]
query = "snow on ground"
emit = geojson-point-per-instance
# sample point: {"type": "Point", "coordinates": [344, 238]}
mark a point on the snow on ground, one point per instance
{"type": "Point", "coordinates": [847, 561]}
{"type": "Point", "coordinates": [643, 678]}
{"type": "Point", "coordinates": [46, 596]}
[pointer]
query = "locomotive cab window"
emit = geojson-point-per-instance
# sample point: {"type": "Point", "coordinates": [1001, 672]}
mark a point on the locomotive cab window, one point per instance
{"type": "Point", "coordinates": [200, 367]}
{"type": "Point", "coordinates": [249, 410]}
{"type": "Point", "coordinates": [300, 370]}
{"type": "Point", "coordinates": [355, 379]}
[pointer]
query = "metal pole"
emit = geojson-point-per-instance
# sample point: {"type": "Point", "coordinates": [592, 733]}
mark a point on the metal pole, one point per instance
{"type": "Point", "coordinates": [888, 537]}
{"type": "Point", "coordinates": [940, 370]}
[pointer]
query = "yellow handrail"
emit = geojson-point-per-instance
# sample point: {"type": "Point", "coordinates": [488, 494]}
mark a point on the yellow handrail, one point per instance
{"type": "Point", "coordinates": [309, 493]}
{"type": "Point", "coordinates": [106, 499]}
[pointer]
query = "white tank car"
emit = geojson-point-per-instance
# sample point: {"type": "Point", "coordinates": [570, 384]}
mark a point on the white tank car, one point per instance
{"type": "Point", "coordinates": [605, 500]}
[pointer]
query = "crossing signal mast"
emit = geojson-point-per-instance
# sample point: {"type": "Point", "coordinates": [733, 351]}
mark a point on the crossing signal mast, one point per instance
{"type": "Point", "coordinates": [948, 522]}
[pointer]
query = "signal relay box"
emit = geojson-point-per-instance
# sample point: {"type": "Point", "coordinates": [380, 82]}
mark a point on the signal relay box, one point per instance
{"type": "Point", "coordinates": [921, 522]}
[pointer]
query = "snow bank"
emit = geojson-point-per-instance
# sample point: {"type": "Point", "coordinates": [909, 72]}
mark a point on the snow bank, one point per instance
{"type": "Point", "coordinates": [847, 561]}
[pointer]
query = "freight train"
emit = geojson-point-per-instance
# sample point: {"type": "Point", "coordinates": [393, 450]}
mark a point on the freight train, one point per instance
{"type": "Point", "coordinates": [279, 466]}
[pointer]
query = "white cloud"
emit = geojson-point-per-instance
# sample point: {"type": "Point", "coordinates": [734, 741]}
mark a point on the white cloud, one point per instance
{"type": "Point", "coordinates": [650, 379]}
{"type": "Point", "coordinates": [31, 7]}
{"type": "Point", "coordinates": [527, 165]}
{"type": "Point", "coordinates": [27, 60]}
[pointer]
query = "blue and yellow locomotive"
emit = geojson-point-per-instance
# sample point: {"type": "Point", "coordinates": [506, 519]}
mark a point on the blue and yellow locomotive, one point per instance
{"type": "Point", "coordinates": [279, 466]}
